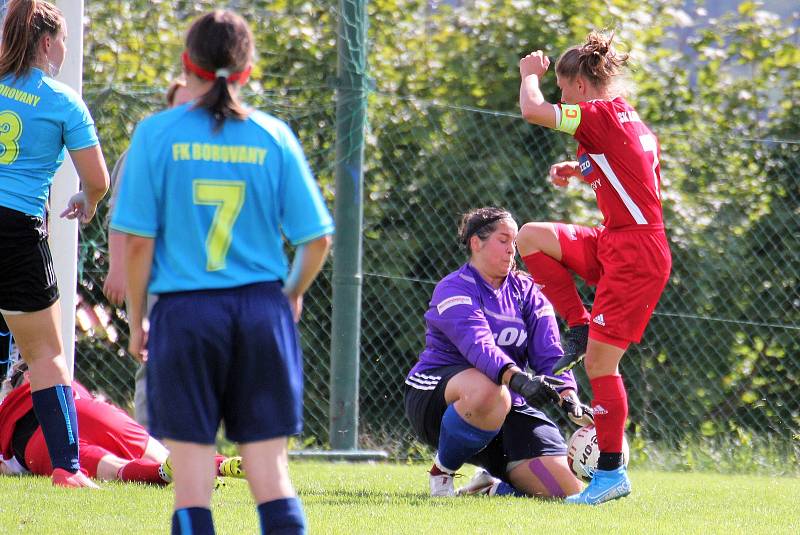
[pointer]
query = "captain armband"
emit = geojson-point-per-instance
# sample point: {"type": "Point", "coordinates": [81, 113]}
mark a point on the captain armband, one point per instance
{"type": "Point", "coordinates": [570, 118]}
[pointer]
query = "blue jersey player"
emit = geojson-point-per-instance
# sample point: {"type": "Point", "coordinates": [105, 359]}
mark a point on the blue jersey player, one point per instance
{"type": "Point", "coordinates": [40, 120]}
{"type": "Point", "coordinates": [209, 192]}
{"type": "Point", "coordinates": [468, 396]}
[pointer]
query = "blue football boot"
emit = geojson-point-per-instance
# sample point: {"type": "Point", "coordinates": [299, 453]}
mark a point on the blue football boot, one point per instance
{"type": "Point", "coordinates": [606, 485]}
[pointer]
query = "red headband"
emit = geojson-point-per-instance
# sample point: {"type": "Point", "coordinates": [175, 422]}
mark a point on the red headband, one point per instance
{"type": "Point", "coordinates": [240, 77]}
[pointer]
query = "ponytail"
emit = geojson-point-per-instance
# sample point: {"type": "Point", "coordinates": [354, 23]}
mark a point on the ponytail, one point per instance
{"type": "Point", "coordinates": [219, 48]}
{"type": "Point", "coordinates": [26, 23]}
{"type": "Point", "coordinates": [596, 61]}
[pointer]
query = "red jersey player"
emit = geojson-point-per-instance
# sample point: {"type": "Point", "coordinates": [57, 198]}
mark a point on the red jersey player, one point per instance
{"type": "Point", "coordinates": [112, 444]}
{"type": "Point", "coordinates": [627, 257]}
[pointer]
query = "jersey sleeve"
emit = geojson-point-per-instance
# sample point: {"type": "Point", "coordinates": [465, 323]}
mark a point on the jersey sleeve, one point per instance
{"type": "Point", "coordinates": [304, 216]}
{"type": "Point", "coordinates": [456, 312]}
{"type": "Point", "coordinates": [544, 339]}
{"type": "Point", "coordinates": [587, 122]}
{"type": "Point", "coordinates": [136, 209]}
{"type": "Point", "coordinates": [79, 131]}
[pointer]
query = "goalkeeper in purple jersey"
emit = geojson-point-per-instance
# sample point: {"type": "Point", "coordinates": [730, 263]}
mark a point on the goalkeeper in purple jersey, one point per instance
{"type": "Point", "coordinates": [469, 396]}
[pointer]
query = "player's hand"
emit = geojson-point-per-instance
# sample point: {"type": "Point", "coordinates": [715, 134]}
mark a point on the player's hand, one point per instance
{"type": "Point", "coordinates": [560, 173]}
{"type": "Point", "coordinates": [537, 390]}
{"type": "Point", "coordinates": [296, 304]}
{"type": "Point", "coordinates": [137, 342]}
{"type": "Point", "coordinates": [534, 63]}
{"type": "Point", "coordinates": [79, 208]}
{"type": "Point", "coordinates": [114, 286]}
{"type": "Point", "coordinates": [579, 413]}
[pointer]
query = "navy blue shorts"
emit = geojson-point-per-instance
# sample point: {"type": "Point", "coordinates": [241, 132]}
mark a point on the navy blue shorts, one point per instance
{"type": "Point", "coordinates": [526, 433]}
{"type": "Point", "coordinates": [229, 355]}
{"type": "Point", "coordinates": [27, 277]}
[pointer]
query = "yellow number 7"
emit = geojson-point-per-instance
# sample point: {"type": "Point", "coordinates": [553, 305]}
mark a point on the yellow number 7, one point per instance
{"type": "Point", "coordinates": [228, 197]}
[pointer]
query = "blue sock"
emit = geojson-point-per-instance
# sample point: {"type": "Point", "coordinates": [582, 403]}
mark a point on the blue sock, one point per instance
{"type": "Point", "coordinates": [55, 410]}
{"type": "Point", "coordinates": [282, 517]}
{"type": "Point", "coordinates": [459, 440]}
{"type": "Point", "coordinates": [507, 489]}
{"type": "Point", "coordinates": [192, 521]}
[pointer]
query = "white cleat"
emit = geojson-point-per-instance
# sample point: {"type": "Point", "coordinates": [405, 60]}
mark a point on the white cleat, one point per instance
{"type": "Point", "coordinates": [441, 480]}
{"type": "Point", "coordinates": [482, 483]}
{"type": "Point", "coordinates": [442, 485]}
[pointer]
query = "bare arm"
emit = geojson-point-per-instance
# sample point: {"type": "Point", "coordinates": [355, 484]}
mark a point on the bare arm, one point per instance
{"type": "Point", "coordinates": [93, 174]}
{"type": "Point", "coordinates": [138, 260]}
{"type": "Point", "coordinates": [534, 108]}
{"type": "Point", "coordinates": [114, 287]}
{"type": "Point", "coordinates": [92, 171]}
{"type": "Point", "coordinates": [307, 262]}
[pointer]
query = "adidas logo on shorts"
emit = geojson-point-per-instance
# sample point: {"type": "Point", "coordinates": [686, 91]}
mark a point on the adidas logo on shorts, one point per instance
{"type": "Point", "coordinates": [599, 320]}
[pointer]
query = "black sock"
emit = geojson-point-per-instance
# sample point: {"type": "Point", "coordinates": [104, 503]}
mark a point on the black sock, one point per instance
{"type": "Point", "coordinates": [282, 517]}
{"type": "Point", "coordinates": [192, 521]}
{"type": "Point", "coordinates": [55, 410]}
{"type": "Point", "coordinates": [609, 461]}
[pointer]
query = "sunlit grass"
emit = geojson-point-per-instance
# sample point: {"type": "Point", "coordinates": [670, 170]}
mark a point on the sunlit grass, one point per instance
{"type": "Point", "coordinates": [342, 498]}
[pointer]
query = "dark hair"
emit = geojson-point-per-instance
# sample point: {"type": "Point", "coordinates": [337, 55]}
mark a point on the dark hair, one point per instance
{"type": "Point", "coordinates": [172, 89]}
{"type": "Point", "coordinates": [480, 222]}
{"type": "Point", "coordinates": [596, 60]}
{"type": "Point", "coordinates": [26, 22]}
{"type": "Point", "coordinates": [220, 40]}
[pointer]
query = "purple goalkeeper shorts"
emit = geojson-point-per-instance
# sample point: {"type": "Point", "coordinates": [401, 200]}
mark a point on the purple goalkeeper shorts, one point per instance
{"type": "Point", "coordinates": [230, 355]}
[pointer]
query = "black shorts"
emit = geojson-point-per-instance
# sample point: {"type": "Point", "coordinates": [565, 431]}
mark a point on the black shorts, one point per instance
{"type": "Point", "coordinates": [27, 276]}
{"type": "Point", "coordinates": [526, 432]}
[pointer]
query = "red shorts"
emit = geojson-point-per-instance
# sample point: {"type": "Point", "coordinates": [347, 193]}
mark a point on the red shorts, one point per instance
{"type": "Point", "coordinates": [102, 428]}
{"type": "Point", "coordinates": [630, 268]}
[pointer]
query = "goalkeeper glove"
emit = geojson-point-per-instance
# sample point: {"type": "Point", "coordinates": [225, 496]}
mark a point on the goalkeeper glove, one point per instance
{"type": "Point", "coordinates": [579, 413]}
{"type": "Point", "coordinates": [537, 390]}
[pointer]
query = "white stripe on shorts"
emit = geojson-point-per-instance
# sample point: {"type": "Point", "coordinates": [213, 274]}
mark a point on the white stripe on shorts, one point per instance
{"type": "Point", "coordinates": [420, 381]}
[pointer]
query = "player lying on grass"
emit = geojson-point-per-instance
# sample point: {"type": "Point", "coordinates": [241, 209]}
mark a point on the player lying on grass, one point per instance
{"type": "Point", "coordinates": [112, 445]}
{"type": "Point", "coordinates": [468, 395]}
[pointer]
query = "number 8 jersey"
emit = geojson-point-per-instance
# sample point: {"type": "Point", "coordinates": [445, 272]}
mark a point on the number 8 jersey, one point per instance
{"type": "Point", "coordinates": [619, 159]}
{"type": "Point", "coordinates": [217, 203]}
{"type": "Point", "coordinates": [39, 117]}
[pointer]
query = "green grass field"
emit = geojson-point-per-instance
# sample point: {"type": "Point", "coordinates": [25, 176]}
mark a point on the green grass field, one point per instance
{"type": "Point", "coordinates": [392, 499]}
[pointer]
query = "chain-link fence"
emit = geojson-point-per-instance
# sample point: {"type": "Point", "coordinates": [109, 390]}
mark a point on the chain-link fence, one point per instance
{"type": "Point", "coordinates": [719, 362]}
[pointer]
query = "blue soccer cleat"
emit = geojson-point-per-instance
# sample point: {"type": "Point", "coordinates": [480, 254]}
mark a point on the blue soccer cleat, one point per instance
{"type": "Point", "coordinates": [606, 485]}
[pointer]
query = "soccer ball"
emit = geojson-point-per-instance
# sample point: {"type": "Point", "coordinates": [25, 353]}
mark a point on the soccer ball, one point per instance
{"type": "Point", "coordinates": [583, 452]}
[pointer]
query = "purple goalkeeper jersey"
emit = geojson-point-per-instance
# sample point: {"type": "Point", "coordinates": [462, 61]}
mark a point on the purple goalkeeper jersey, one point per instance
{"type": "Point", "coordinates": [469, 322]}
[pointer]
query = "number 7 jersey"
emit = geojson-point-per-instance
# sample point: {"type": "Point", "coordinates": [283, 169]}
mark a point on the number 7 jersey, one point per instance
{"type": "Point", "coordinates": [218, 204]}
{"type": "Point", "coordinates": [619, 159]}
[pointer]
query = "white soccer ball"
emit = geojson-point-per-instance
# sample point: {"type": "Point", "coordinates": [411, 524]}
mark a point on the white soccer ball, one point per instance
{"type": "Point", "coordinates": [583, 452]}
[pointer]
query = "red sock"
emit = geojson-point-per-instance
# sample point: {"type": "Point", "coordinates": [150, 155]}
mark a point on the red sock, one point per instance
{"type": "Point", "coordinates": [558, 286]}
{"type": "Point", "coordinates": [218, 461]}
{"type": "Point", "coordinates": [610, 406]}
{"type": "Point", "coordinates": [141, 470]}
